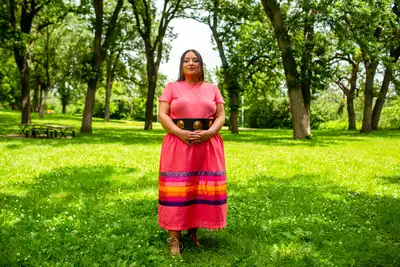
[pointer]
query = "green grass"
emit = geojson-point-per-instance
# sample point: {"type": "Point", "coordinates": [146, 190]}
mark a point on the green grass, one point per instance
{"type": "Point", "coordinates": [92, 200]}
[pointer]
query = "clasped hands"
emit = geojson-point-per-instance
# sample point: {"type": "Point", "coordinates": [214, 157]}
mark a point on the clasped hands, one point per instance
{"type": "Point", "coordinates": [195, 137]}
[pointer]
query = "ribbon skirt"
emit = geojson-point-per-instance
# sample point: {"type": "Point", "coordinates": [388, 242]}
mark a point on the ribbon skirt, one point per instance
{"type": "Point", "coordinates": [192, 184]}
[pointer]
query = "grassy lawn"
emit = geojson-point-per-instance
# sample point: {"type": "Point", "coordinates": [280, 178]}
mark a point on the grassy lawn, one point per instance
{"type": "Point", "coordinates": [92, 200]}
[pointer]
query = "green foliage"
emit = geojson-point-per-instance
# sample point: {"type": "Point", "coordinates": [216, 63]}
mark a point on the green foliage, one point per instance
{"type": "Point", "coordinates": [53, 103]}
{"type": "Point", "coordinates": [391, 114]}
{"type": "Point", "coordinates": [326, 107]}
{"type": "Point", "coordinates": [139, 108]}
{"type": "Point", "coordinates": [269, 113]}
{"type": "Point", "coordinates": [10, 93]}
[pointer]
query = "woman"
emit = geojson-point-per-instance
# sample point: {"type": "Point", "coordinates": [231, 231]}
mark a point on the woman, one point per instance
{"type": "Point", "coordinates": [192, 181]}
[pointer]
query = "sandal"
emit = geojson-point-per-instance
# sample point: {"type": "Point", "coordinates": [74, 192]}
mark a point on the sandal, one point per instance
{"type": "Point", "coordinates": [174, 246]}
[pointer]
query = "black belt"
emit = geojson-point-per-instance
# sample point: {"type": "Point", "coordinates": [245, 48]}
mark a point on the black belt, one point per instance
{"type": "Point", "coordinates": [194, 124]}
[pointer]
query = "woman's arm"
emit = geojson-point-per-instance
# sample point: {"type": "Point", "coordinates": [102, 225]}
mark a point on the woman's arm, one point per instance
{"type": "Point", "coordinates": [219, 119]}
{"type": "Point", "coordinates": [170, 126]}
{"type": "Point", "coordinates": [201, 136]}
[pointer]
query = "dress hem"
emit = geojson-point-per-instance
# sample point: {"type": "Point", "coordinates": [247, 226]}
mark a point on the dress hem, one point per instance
{"type": "Point", "coordinates": [181, 228]}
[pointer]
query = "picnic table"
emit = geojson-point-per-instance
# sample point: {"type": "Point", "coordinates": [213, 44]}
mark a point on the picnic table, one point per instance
{"type": "Point", "coordinates": [63, 129]}
{"type": "Point", "coordinates": [49, 129]}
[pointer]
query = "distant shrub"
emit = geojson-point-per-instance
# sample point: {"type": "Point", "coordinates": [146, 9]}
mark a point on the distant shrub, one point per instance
{"type": "Point", "coordinates": [269, 113]}
{"type": "Point", "coordinates": [328, 106]}
{"type": "Point", "coordinates": [333, 125]}
{"type": "Point", "coordinates": [390, 117]}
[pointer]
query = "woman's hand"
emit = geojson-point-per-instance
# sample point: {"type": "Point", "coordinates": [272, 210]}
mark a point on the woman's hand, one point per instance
{"type": "Point", "coordinates": [185, 136]}
{"type": "Point", "coordinates": [200, 136]}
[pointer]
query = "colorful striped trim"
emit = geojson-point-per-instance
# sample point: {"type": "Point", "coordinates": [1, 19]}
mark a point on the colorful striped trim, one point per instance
{"type": "Point", "coordinates": [192, 202]}
{"type": "Point", "coordinates": [195, 173]}
{"type": "Point", "coordinates": [191, 178]}
{"type": "Point", "coordinates": [190, 182]}
{"type": "Point", "coordinates": [188, 198]}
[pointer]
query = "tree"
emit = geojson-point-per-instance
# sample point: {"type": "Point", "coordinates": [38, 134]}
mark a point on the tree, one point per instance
{"type": "Point", "coordinates": [99, 53]}
{"type": "Point", "coordinates": [299, 94]}
{"type": "Point", "coordinates": [70, 63]}
{"type": "Point", "coordinates": [236, 34]}
{"type": "Point", "coordinates": [22, 17]}
{"type": "Point", "coordinates": [44, 52]}
{"type": "Point", "coordinates": [349, 91]}
{"type": "Point", "coordinates": [214, 22]}
{"type": "Point", "coordinates": [125, 49]}
{"type": "Point", "coordinates": [372, 37]}
{"type": "Point", "coordinates": [394, 55]}
{"type": "Point", "coordinates": [153, 40]}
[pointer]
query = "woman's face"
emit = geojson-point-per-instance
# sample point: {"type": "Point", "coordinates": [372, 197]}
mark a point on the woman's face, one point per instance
{"type": "Point", "coordinates": [191, 65]}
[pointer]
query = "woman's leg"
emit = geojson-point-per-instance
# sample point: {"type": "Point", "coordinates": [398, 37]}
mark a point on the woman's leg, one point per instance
{"type": "Point", "coordinates": [174, 238]}
{"type": "Point", "coordinates": [193, 236]}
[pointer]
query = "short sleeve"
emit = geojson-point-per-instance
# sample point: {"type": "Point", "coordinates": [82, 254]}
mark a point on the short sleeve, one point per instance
{"type": "Point", "coordinates": [218, 96]}
{"type": "Point", "coordinates": [166, 95]}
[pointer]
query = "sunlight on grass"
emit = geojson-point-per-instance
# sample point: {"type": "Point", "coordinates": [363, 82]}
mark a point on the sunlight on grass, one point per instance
{"type": "Point", "coordinates": [92, 200]}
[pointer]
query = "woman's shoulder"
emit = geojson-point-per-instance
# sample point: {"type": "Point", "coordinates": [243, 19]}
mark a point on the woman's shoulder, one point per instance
{"type": "Point", "coordinates": [172, 85]}
{"type": "Point", "coordinates": [208, 85]}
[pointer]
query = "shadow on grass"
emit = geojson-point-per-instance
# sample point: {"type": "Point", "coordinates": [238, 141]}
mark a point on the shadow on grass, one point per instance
{"type": "Point", "coordinates": [284, 138]}
{"type": "Point", "coordinates": [102, 136]}
{"type": "Point", "coordinates": [102, 215]}
{"type": "Point", "coordinates": [299, 222]}
{"type": "Point", "coordinates": [82, 216]}
{"type": "Point", "coordinates": [132, 136]}
{"type": "Point", "coordinates": [127, 133]}
{"type": "Point", "coordinates": [390, 179]}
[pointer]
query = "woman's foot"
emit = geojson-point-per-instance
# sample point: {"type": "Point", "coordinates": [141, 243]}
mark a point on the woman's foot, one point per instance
{"type": "Point", "coordinates": [174, 246]}
{"type": "Point", "coordinates": [193, 236]}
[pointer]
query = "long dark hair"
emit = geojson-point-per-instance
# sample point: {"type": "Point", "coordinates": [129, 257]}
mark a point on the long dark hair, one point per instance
{"type": "Point", "coordinates": [201, 73]}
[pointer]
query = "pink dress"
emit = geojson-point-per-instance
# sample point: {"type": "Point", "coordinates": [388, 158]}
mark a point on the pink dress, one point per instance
{"type": "Point", "coordinates": [192, 180]}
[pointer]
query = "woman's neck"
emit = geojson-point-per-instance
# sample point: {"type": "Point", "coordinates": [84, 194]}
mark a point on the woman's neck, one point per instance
{"type": "Point", "coordinates": [191, 79]}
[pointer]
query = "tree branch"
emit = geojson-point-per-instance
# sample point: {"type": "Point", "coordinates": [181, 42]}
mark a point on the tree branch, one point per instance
{"type": "Point", "coordinates": [136, 13]}
{"type": "Point", "coordinates": [110, 36]}
{"type": "Point", "coordinates": [345, 90]}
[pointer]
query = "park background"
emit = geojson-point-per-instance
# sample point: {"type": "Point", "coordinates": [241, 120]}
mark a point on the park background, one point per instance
{"type": "Point", "coordinates": [311, 136]}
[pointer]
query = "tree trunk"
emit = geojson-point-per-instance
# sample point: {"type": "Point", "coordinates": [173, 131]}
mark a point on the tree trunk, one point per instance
{"type": "Point", "coordinates": [380, 101]}
{"type": "Point", "coordinates": [233, 99]}
{"type": "Point", "coordinates": [89, 103]}
{"type": "Point", "coordinates": [23, 67]}
{"type": "Point", "coordinates": [108, 91]}
{"type": "Point", "coordinates": [35, 102]}
{"type": "Point", "coordinates": [152, 80]}
{"type": "Point", "coordinates": [64, 98]}
{"type": "Point", "coordinates": [97, 59]}
{"type": "Point", "coordinates": [234, 108]}
{"type": "Point", "coordinates": [45, 89]}
{"type": "Point", "coordinates": [368, 95]}
{"type": "Point", "coordinates": [40, 96]}
{"type": "Point", "coordinates": [299, 109]}
{"type": "Point", "coordinates": [350, 95]}
{"type": "Point", "coordinates": [25, 92]}
{"type": "Point", "coordinates": [350, 112]}
{"type": "Point", "coordinates": [300, 114]}
{"type": "Point", "coordinates": [26, 17]}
